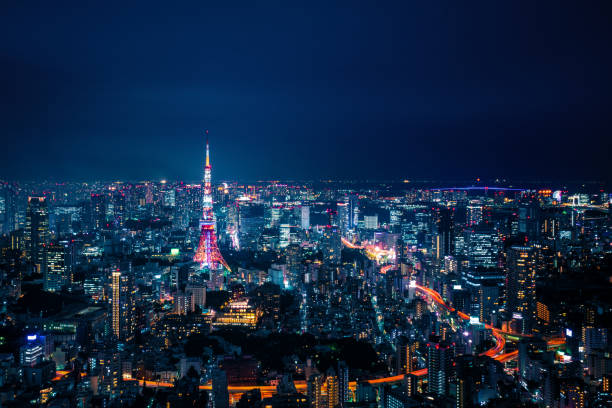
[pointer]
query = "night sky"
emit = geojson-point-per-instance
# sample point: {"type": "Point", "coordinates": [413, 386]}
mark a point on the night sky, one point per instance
{"type": "Point", "coordinates": [350, 90]}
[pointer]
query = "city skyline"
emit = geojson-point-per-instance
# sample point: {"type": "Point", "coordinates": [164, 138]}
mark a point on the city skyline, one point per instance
{"type": "Point", "coordinates": [318, 205]}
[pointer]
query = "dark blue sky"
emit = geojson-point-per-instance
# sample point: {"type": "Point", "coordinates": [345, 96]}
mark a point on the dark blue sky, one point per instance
{"type": "Point", "coordinates": [342, 90]}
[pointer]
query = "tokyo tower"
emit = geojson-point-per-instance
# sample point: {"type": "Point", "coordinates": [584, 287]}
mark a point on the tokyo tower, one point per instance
{"type": "Point", "coordinates": [208, 254]}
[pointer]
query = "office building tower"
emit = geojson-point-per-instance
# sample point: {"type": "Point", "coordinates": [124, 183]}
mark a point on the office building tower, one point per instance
{"type": "Point", "coordinates": [119, 209]}
{"type": "Point", "coordinates": [521, 286]}
{"type": "Point", "coordinates": [331, 245]}
{"type": "Point", "coordinates": [123, 306]}
{"type": "Point", "coordinates": [305, 217]}
{"type": "Point", "coordinates": [343, 217]}
{"type": "Point", "coordinates": [183, 303]}
{"type": "Point", "coordinates": [446, 232]}
{"type": "Point", "coordinates": [439, 366]}
{"type": "Point", "coordinates": [198, 294]}
{"type": "Point", "coordinates": [8, 209]}
{"type": "Point", "coordinates": [98, 211]}
{"type": "Point", "coordinates": [483, 245]}
{"type": "Point", "coordinates": [405, 356]}
{"type": "Point", "coordinates": [474, 213]}
{"type": "Point", "coordinates": [33, 351]}
{"type": "Point", "coordinates": [370, 221]}
{"type": "Point", "coordinates": [36, 231]}
{"type": "Point", "coordinates": [57, 269]}
{"type": "Point", "coordinates": [353, 210]}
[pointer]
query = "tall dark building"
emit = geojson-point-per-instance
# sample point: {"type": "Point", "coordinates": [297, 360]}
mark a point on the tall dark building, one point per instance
{"type": "Point", "coordinates": [343, 383]}
{"type": "Point", "coordinates": [36, 230]}
{"type": "Point", "coordinates": [439, 365]}
{"type": "Point", "coordinates": [123, 306]}
{"type": "Point", "coordinates": [405, 356]}
{"type": "Point", "coordinates": [352, 201]}
{"type": "Point", "coordinates": [98, 210]}
{"type": "Point", "coordinates": [57, 270]}
{"type": "Point", "coordinates": [119, 209]}
{"type": "Point", "coordinates": [331, 245]}
{"type": "Point", "coordinates": [446, 231]}
{"type": "Point", "coordinates": [220, 394]}
{"type": "Point", "coordinates": [521, 285]}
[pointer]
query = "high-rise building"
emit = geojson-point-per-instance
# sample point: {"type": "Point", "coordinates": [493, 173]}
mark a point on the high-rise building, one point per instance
{"type": "Point", "coordinates": [123, 306]}
{"type": "Point", "coordinates": [439, 366]}
{"type": "Point", "coordinates": [446, 231]}
{"type": "Point", "coordinates": [353, 210]}
{"type": "Point", "coordinates": [405, 356]}
{"type": "Point", "coordinates": [183, 303]}
{"type": "Point", "coordinates": [474, 212]}
{"type": "Point", "coordinates": [32, 352]}
{"type": "Point", "coordinates": [198, 295]}
{"type": "Point", "coordinates": [57, 269]}
{"type": "Point", "coordinates": [483, 245]}
{"type": "Point", "coordinates": [521, 286]}
{"type": "Point", "coordinates": [333, 391]}
{"type": "Point", "coordinates": [343, 383]}
{"type": "Point", "coordinates": [36, 230]}
{"type": "Point", "coordinates": [305, 217]}
{"type": "Point", "coordinates": [119, 209]}
{"type": "Point", "coordinates": [370, 221]}
{"type": "Point", "coordinates": [98, 210]}
{"type": "Point", "coordinates": [343, 217]}
{"type": "Point", "coordinates": [315, 391]}
{"type": "Point", "coordinates": [331, 244]}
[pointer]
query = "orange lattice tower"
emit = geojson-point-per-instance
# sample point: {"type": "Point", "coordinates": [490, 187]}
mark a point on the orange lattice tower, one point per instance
{"type": "Point", "coordinates": [208, 254]}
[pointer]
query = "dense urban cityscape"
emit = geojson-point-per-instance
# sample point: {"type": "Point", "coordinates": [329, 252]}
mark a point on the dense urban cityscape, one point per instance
{"type": "Point", "coordinates": [320, 294]}
{"type": "Point", "coordinates": [288, 204]}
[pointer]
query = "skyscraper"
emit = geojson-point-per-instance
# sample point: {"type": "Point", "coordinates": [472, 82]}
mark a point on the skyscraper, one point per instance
{"type": "Point", "coordinates": [98, 209]}
{"type": "Point", "coordinates": [119, 209]}
{"type": "Point", "coordinates": [343, 383]}
{"type": "Point", "coordinates": [123, 307]}
{"type": "Point", "coordinates": [343, 217]}
{"type": "Point", "coordinates": [446, 231]}
{"type": "Point", "coordinates": [405, 356]}
{"type": "Point", "coordinates": [57, 271]}
{"type": "Point", "coordinates": [208, 254]}
{"type": "Point", "coordinates": [36, 230]}
{"type": "Point", "coordinates": [521, 285]}
{"type": "Point", "coordinates": [331, 245]}
{"type": "Point", "coordinates": [439, 365]}
{"type": "Point", "coordinates": [305, 217]}
{"type": "Point", "coordinates": [353, 210]}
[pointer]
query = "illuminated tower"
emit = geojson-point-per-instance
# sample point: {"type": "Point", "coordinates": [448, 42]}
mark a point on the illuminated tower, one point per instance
{"type": "Point", "coordinates": [333, 394]}
{"type": "Point", "coordinates": [521, 285]}
{"type": "Point", "coordinates": [208, 254]}
{"type": "Point", "coordinates": [123, 306]}
{"type": "Point", "coordinates": [57, 272]}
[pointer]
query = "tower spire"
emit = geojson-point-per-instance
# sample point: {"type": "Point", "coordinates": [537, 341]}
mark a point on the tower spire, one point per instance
{"type": "Point", "coordinates": [207, 154]}
{"type": "Point", "coordinates": [208, 253]}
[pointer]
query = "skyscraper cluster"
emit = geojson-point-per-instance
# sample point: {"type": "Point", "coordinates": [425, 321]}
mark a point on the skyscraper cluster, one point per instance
{"type": "Point", "coordinates": [304, 294]}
